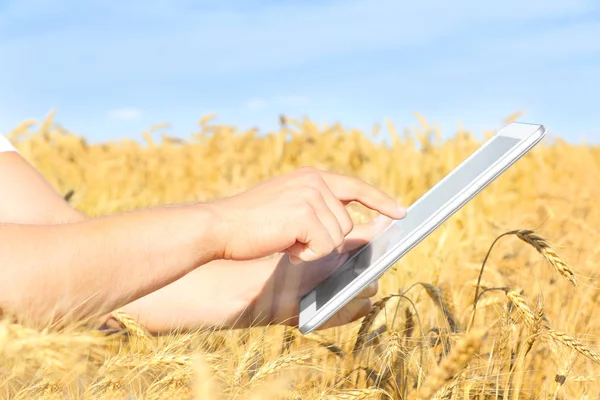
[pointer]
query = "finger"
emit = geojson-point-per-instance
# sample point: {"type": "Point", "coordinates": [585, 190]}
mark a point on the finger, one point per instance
{"type": "Point", "coordinates": [348, 189]}
{"type": "Point", "coordinates": [318, 200]}
{"type": "Point", "coordinates": [313, 242]}
{"type": "Point", "coordinates": [354, 310]}
{"type": "Point", "coordinates": [312, 177]}
{"type": "Point", "coordinates": [370, 291]}
{"type": "Point", "coordinates": [364, 233]}
{"type": "Point", "coordinates": [341, 213]}
{"type": "Point", "coordinates": [337, 208]}
{"type": "Point", "coordinates": [294, 259]}
{"type": "Point", "coordinates": [369, 230]}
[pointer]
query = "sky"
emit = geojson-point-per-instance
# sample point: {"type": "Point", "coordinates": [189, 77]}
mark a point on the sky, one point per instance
{"type": "Point", "coordinates": [112, 69]}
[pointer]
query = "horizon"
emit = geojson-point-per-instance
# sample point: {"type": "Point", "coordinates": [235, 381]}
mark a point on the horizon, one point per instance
{"type": "Point", "coordinates": [382, 134]}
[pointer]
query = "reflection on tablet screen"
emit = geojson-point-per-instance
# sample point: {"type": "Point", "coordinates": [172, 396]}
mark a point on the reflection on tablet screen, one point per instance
{"type": "Point", "coordinates": [359, 261]}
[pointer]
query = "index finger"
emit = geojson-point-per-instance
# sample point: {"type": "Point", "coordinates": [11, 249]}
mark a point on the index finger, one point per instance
{"type": "Point", "coordinates": [347, 189]}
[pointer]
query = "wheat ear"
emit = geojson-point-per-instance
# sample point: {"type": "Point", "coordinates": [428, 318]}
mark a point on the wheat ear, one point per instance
{"type": "Point", "coordinates": [544, 248]}
{"type": "Point", "coordinates": [452, 365]}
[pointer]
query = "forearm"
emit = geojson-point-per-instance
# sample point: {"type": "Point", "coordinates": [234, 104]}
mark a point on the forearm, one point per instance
{"type": "Point", "coordinates": [99, 265]}
{"type": "Point", "coordinates": [27, 198]}
{"type": "Point", "coordinates": [205, 298]}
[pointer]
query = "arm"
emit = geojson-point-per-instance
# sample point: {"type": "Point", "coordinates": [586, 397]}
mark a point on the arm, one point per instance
{"type": "Point", "coordinates": [265, 291]}
{"type": "Point", "coordinates": [27, 198]}
{"type": "Point", "coordinates": [98, 265]}
{"type": "Point", "coordinates": [95, 265]}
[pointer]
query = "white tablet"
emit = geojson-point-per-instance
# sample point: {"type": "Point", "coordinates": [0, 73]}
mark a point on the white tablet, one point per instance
{"type": "Point", "coordinates": [370, 261]}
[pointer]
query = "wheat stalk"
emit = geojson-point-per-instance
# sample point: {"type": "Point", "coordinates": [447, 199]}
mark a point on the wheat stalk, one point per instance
{"type": "Point", "coordinates": [453, 364]}
{"type": "Point", "coordinates": [438, 299]}
{"type": "Point", "coordinates": [544, 248]}
{"type": "Point", "coordinates": [278, 364]}
{"type": "Point", "coordinates": [367, 323]}
{"type": "Point", "coordinates": [538, 325]}
{"type": "Point", "coordinates": [357, 394]}
{"type": "Point", "coordinates": [572, 343]}
{"type": "Point", "coordinates": [251, 356]}
{"type": "Point", "coordinates": [332, 347]}
{"type": "Point", "coordinates": [521, 304]}
{"type": "Point", "coordinates": [206, 386]}
{"type": "Point", "coordinates": [132, 326]}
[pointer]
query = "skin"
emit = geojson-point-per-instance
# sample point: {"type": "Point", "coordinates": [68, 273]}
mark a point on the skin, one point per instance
{"type": "Point", "coordinates": [172, 267]}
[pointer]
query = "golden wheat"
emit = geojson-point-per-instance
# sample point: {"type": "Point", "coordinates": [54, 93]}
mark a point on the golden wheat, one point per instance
{"type": "Point", "coordinates": [131, 325]}
{"type": "Point", "coordinates": [451, 366]}
{"type": "Point", "coordinates": [356, 394]}
{"type": "Point", "coordinates": [411, 344]}
{"type": "Point", "coordinates": [543, 247]}
{"type": "Point", "coordinates": [278, 364]}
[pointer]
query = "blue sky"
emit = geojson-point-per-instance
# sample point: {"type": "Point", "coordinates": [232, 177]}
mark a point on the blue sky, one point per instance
{"type": "Point", "coordinates": [113, 69]}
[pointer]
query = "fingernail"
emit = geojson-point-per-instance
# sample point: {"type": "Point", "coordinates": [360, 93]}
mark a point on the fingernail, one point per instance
{"type": "Point", "coordinates": [401, 211]}
{"type": "Point", "coordinates": [294, 260]}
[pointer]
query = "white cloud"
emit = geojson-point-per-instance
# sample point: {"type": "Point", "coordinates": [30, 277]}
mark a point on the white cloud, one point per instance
{"type": "Point", "coordinates": [292, 101]}
{"type": "Point", "coordinates": [125, 113]}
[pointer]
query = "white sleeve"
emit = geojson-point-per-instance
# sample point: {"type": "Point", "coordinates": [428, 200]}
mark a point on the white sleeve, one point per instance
{"type": "Point", "coordinates": [5, 145]}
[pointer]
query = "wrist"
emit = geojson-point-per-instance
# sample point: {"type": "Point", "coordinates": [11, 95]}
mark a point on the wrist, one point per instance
{"type": "Point", "coordinates": [214, 234]}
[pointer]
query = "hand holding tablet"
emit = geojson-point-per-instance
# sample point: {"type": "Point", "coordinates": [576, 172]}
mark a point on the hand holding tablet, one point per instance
{"type": "Point", "coordinates": [423, 217]}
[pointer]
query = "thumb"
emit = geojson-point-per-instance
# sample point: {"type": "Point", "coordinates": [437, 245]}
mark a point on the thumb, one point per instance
{"type": "Point", "coordinates": [364, 233]}
{"type": "Point", "coordinates": [354, 310]}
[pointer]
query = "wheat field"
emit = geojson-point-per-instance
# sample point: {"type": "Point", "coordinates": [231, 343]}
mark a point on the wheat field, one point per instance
{"type": "Point", "coordinates": [498, 303]}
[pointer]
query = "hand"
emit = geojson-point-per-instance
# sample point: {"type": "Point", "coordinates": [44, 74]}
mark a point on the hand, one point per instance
{"type": "Point", "coordinates": [278, 301]}
{"type": "Point", "coordinates": [235, 294]}
{"type": "Point", "coordinates": [301, 214]}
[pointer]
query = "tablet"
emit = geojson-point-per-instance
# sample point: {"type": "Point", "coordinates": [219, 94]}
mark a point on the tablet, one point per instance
{"type": "Point", "coordinates": [370, 261]}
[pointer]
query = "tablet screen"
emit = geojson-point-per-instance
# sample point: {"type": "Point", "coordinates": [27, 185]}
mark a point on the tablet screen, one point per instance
{"type": "Point", "coordinates": [417, 215]}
